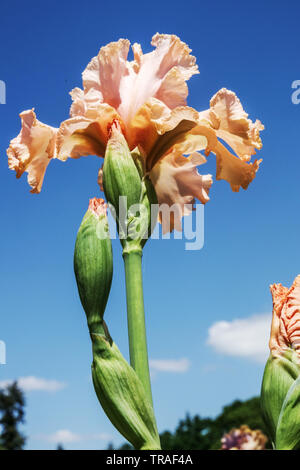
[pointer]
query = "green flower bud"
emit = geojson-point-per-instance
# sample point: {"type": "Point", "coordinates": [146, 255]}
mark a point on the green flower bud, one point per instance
{"type": "Point", "coordinates": [279, 375]}
{"type": "Point", "coordinates": [288, 427]}
{"type": "Point", "coordinates": [142, 227]}
{"type": "Point", "coordinates": [129, 191]}
{"type": "Point", "coordinates": [122, 395]}
{"type": "Point", "coordinates": [93, 263]}
{"type": "Point", "coordinates": [120, 174]}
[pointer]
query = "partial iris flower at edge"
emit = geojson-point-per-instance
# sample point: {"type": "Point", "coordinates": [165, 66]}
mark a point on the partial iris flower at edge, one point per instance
{"type": "Point", "coordinates": [285, 330]}
{"type": "Point", "coordinates": [281, 381]}
{"type": "Point", "coordinates": [147, 96]}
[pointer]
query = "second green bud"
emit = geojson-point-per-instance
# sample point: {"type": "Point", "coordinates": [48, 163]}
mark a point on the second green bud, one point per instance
{"type": "Point", "coordinates": [93, 263]}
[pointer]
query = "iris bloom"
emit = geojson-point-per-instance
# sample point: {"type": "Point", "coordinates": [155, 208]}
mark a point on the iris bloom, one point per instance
{"type": "Point", "coordinates": [244, 438]}
{"type": "Point", "coordinates": [285, 331]}
{"type": "Point", "coordinates": [147, 96]}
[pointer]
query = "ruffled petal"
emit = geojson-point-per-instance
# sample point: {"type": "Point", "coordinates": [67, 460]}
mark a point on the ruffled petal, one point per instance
{"type": "Point", "coordinates": [177, 183]}
{"type": "Point", "coordinates": [32, 149]}
{"type": "Point", "coordinates": [156, 129]}
{"type": "Point", "coordinates": [98, 207]}
{"type": "Point", "coordinates": [291, 315]}
{"type": "Point", "coordinates": [81, 136]}
{"type": "Point", "coordinates": [105, 72]}
{"type": "Point", "coordinates": [237, 172]}
{"type": "Point", "coordinates": [109, 78]}
{"type": "Point", "coordinates": [285, 331]}
{"type": "Point", "coordinates": [160, 74]}
{"type": "Point", "coordinates": [78, 137]}
{"type": "Point", "coordinates": [231, 122]}
{"type": "Point", "coordinates": [278, 342]}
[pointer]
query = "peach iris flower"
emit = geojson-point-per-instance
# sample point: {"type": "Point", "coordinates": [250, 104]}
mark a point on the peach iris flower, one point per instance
{"type": "Point", "coordinates": [285, 331]}
{"type": "Point", "coordinates": [148, 97]}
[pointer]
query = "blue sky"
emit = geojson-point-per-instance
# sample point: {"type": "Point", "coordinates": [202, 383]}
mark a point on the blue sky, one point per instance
{"type": "Point", "coordinates": [251, 238]}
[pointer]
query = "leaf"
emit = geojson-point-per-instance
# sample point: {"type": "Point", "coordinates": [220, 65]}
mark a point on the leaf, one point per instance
{"type": "Point", "coordinates": [280, 374]}
{"type": "Point", "coordinates": [288, 428]}
{"type": "Point", "coordinates": [122, 395]}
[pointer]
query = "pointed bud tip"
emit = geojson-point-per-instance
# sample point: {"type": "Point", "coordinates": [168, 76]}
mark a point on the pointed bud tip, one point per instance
{"type": "Point", "coordinates": [98, 207]}
{"type": "Point", "coordinates": [114, 129]}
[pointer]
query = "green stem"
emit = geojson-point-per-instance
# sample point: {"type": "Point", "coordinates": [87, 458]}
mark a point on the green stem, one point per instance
{"type": "Point", "coordinates": [136, 318]}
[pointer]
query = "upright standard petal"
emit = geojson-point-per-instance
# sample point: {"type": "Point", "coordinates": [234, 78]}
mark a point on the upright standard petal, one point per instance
{"type": "Point", "coordinates": [127, 85]}
{"type": "Point", "coordinates": [105, 72]}
{"type": "Point", "coordinates": [177, 183]}
{"type": "Point", "coordinates": [32, 150]}
{"type": "Point", "coordinates": [285, 331]}
{"type": "Point", "coordinates": [160, 74]}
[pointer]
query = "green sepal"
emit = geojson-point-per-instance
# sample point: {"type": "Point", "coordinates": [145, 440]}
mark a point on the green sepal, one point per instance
{"type": "Point", "coordinates": [122, 395]}
{"type": "Point", "coordinates": [120, 177]}
{"type": "Point", "coordinates": [141, 222]}
{"type": "Point", "coordinates": [288, 427]}
{"type": "Point", "coordinates": [150, 201]}
{"type": "Point", "coordinates": [93, 266]}
{"type": "Point", "coordinates": [129, 191]}
{"type": "Point", "coordinates": [279, 375]}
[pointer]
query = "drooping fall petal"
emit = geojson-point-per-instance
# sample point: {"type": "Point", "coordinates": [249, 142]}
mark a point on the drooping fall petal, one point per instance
{"type": "Point", "coordinates": [32, 150]}
{"type": "Point", "coordinates": [79, 137]}
{"type": "Point", "coordinates": [156, 129]}
{"type": "Point", "coordinates": [285, 331]}
{"type": "Point", "coordinates": [177, 183]}
{"type": "Point", "coordinates": [231, 122]}
{"type": "Point", "coordinates": [237, 172]}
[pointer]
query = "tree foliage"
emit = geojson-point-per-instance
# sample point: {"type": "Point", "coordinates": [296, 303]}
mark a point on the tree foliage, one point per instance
{"type": "Point", "coordinates": [12, 404]}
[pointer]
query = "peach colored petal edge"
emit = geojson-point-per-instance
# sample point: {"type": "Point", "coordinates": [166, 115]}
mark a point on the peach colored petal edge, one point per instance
{"type": "Point", "coordinates": [32, 149]}
{"type": "Point", "coordinates": [285, 329]}
{"type": "Point", "coordinates": [98, 207]}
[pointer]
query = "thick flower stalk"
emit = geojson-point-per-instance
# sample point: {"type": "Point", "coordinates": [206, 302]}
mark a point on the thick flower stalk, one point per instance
{"type": "Point", "coordinates": [131, 198]}
{"type": "Point", "coordinates": [117, 386]}
{"type": "Point", "coordinates": [244, 438]}
{"type": "Point", "coordinates": [280, 394]}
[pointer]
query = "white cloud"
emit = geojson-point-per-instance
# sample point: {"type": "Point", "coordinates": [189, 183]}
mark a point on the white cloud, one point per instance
{"type": "Point", "coordinates": [31, 383]}
{"type": "Point", "coordinates": [244, 337]}
{"type": "Point", "coordinates": [65, 436]}
{"type": "Point", "coordinates": [170, 365]}
{"type": "Point", "coordinates": [102, 436]}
